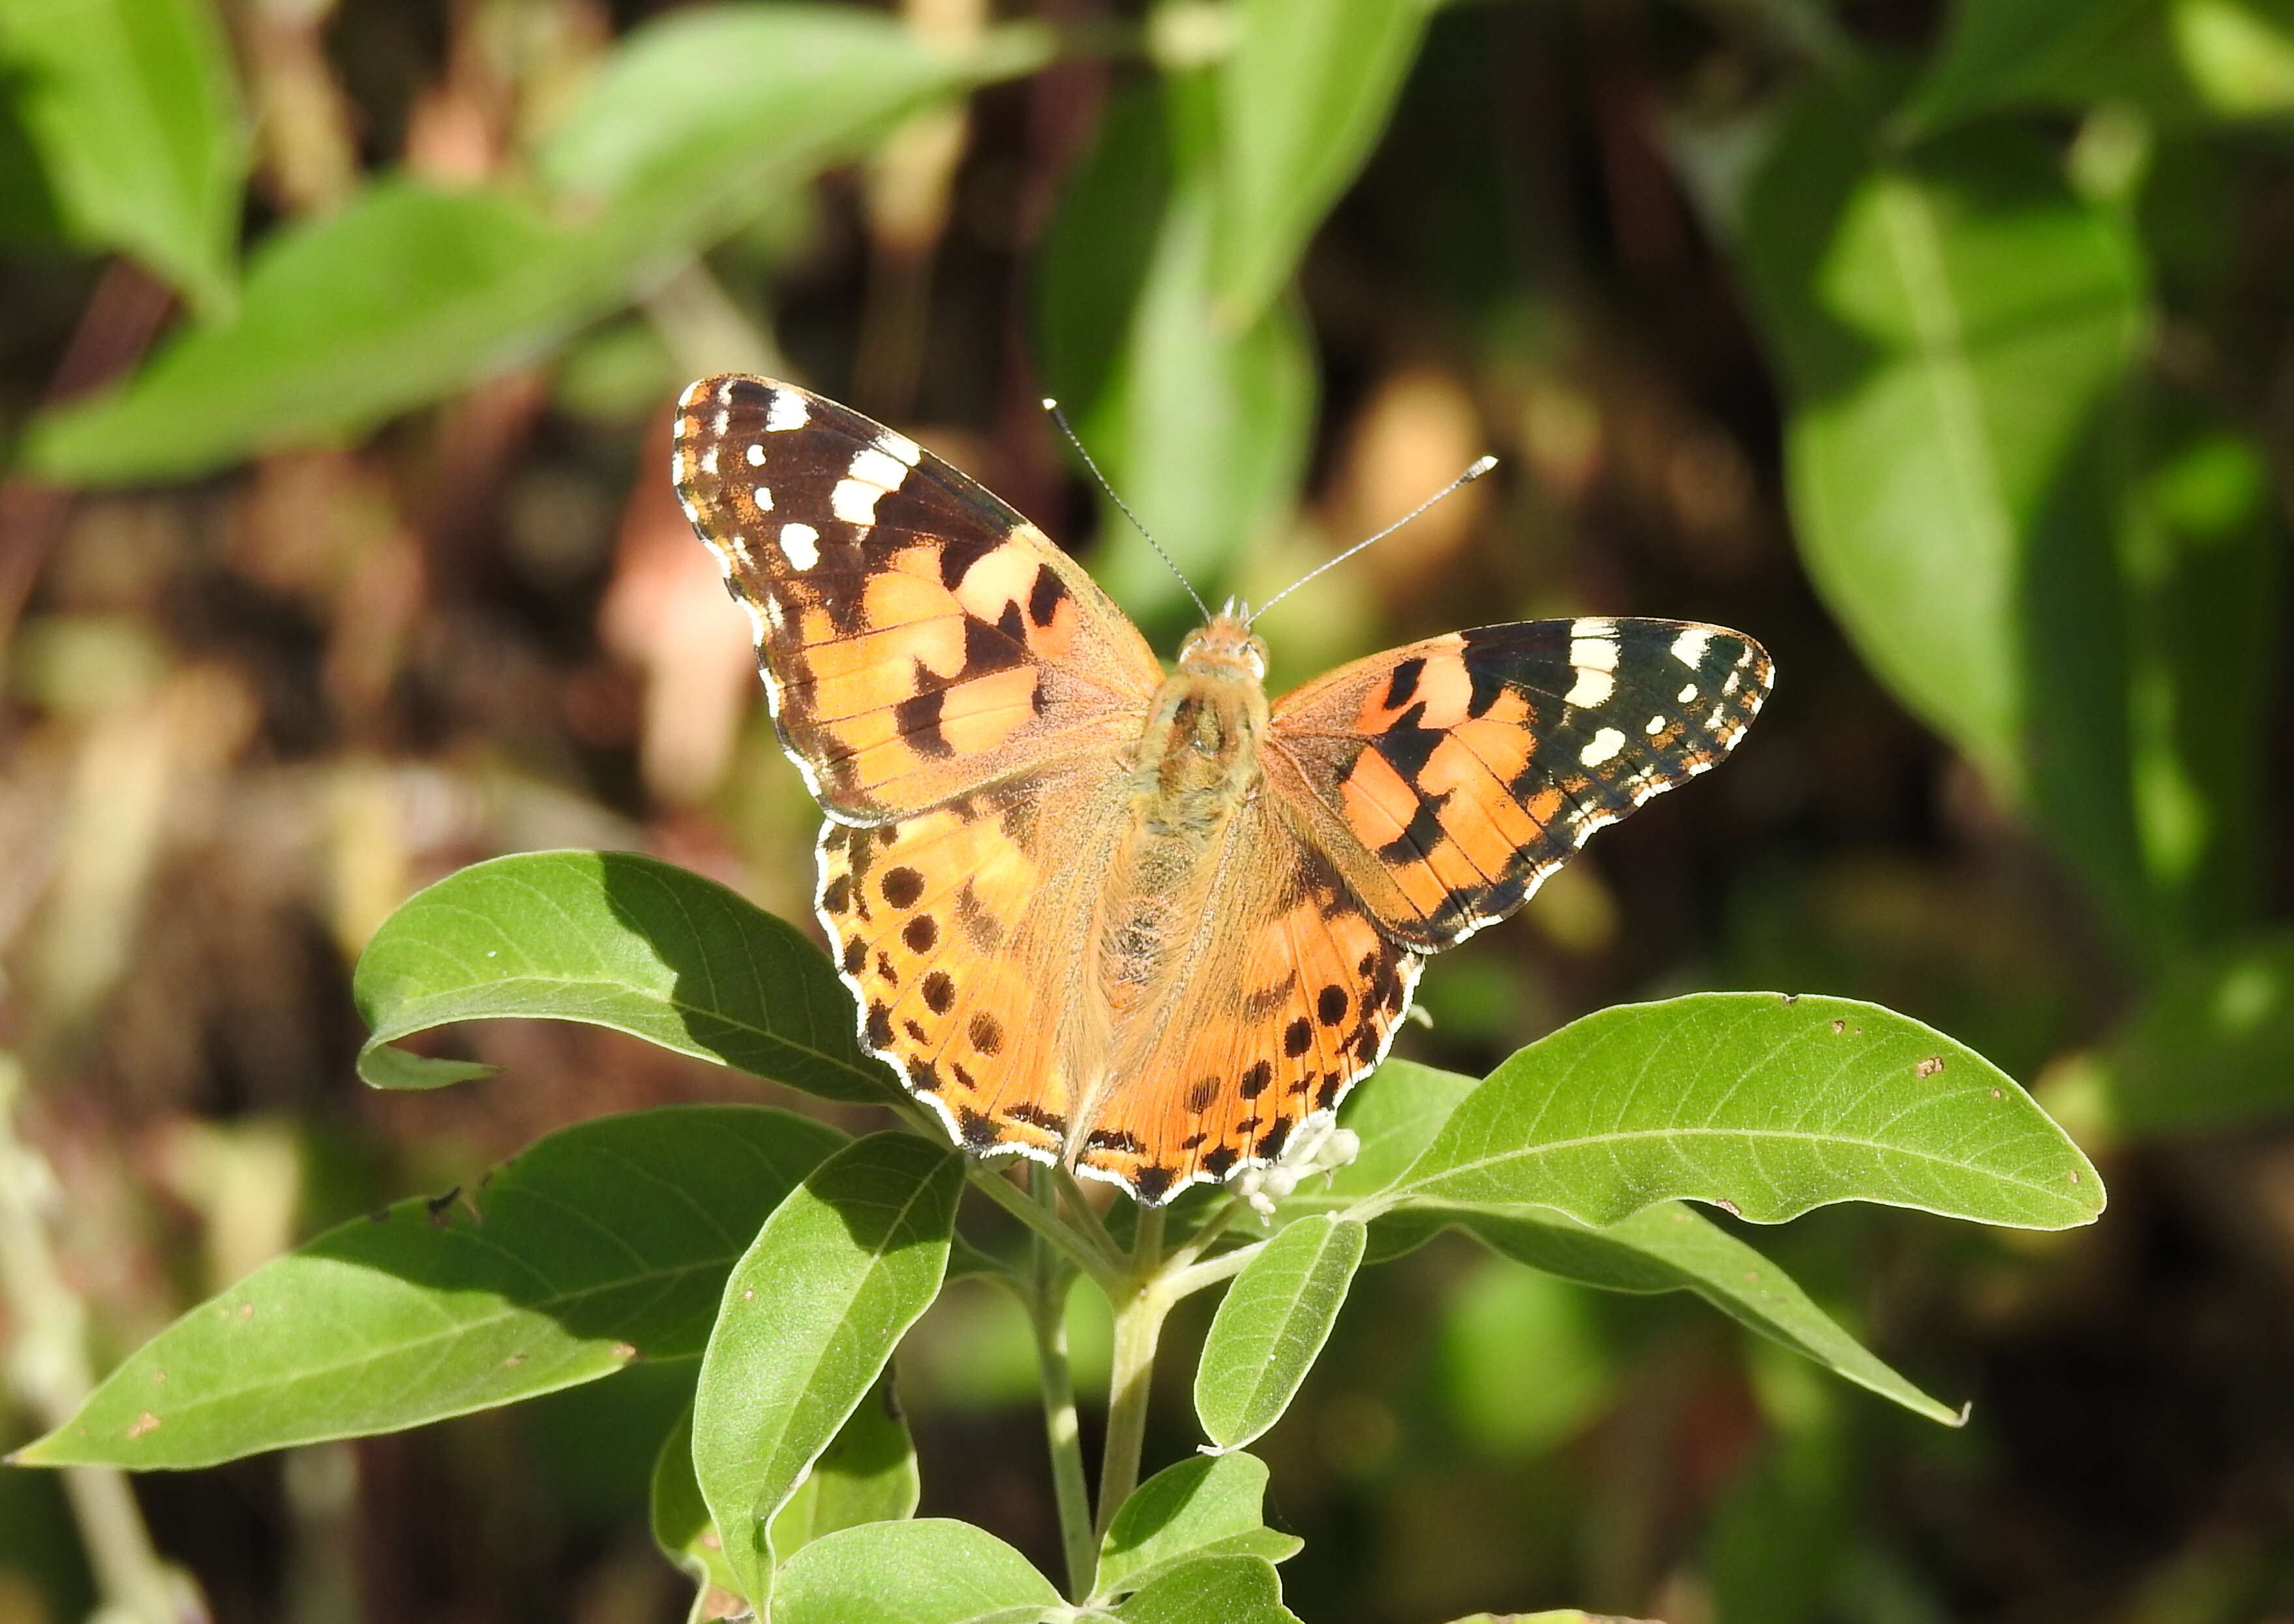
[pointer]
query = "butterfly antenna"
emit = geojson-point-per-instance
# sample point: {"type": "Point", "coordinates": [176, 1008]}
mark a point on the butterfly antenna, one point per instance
{"type": "Point", "coordinates": [1480, 467]}
{"type": "Point", "coordinates": [1061, 417]}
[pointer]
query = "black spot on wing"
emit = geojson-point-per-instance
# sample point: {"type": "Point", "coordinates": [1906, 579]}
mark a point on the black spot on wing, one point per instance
{"type": "Point", "coordinates": [1406, 745]}
{"type": "Point", "coordinates": [917, 717]}
{"type": "Point", "coordinates": [1403, 683]}
{"type": "Point", "coordinates": [1044, 598]}
{"type": "Point", "coordinates": [1421, 835]}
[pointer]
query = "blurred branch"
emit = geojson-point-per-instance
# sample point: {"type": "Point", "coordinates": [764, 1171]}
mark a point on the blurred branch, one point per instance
{"type": "Point", "coordinates": [123, 316]}
{"type": "Point", "coordinates": [706, 331]}
{"type": "Point", "coordinates": [910, 180]}
{"type": "Point", "coordinates": [303, 118]}
{"type": "Point", "coordinates": [48, 1367]}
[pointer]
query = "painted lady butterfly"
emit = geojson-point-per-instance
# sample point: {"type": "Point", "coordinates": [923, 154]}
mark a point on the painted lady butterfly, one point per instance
{"type": "Point", "coordinates": [1146, 923]}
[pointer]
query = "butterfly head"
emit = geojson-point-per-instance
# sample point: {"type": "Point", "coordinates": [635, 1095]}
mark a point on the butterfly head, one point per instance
{"type": "Point", "coordinates": [1225, 647]}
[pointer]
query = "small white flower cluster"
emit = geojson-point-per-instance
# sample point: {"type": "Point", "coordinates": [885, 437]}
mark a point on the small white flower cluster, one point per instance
{"type": "Point", "coordinates": [1318, 1146]}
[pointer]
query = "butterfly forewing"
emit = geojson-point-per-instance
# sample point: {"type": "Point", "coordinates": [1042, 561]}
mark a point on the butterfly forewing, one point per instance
{"type": "Point", "coordinates": [917, 637]}
{"type": "Point", "coordinates": [1448, 778]}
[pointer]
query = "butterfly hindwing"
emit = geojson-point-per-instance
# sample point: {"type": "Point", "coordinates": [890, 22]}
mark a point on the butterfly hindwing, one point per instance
{"type": "Point", "coordinates": [1281, 996]}
{"type": "Point", "coordinates": [1448, 778]}
{"type": "Point", "coordinates": [917, 637]}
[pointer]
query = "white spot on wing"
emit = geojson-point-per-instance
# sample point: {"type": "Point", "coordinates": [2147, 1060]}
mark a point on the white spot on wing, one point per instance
{"type": "Point", "coordinates": [786, 412]}
{"type": "Point", "coordinates": [756, 455]}
{"type": "Point", "coordinates": [1593, 651]}
{"type": "Point", "coordinates": [896, 445]}
{"type": "Point", "coordinates": [879, 468]}
{"type": "Point", "coordinates": [1654, 726]}
{"type": "Point", "coordinates": [802, 543]}
{"type": "Point", "coordinates": [1690, 646]}
{"type": "Point", "coordinates": [854, 501]}
{"type": "Point", "coordinates": [1688, 692]}
{"type": "Point", "coordinates": [1605, 747]}
{"type": "Point", "coordinates": [1592, 688]}
{"type": "Point", "coordinates": [763, 497]}
{"type": "Point", "coordinates": [708, 462]}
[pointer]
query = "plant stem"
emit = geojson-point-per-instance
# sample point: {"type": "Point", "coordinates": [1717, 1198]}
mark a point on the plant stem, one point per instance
{"type": "Point", "coordinates": [1047, 1307]}
{"type": "Point", "coordinates": [1185, 1282]}
{"type": "Point", "coordinates": [50, 1369]}
{"type": "Point", "coordinates": [1140, 1307]}
{"type": "Point", "coordinates": [1096, 1258]}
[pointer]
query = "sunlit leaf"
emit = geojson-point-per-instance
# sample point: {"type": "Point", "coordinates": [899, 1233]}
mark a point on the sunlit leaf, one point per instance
{"type": "Point", "coordinates": [1303, 98]}
{"type": "Point", "coordinates": [1211, 1590]}
{"type": "Point", "coordinates": [810, 1315]}
{"type": "Point", "coordinates": [1767, 1105]}
{"type": "Point", "coordinates": [601, 1244]}
{"type": "Point", "coordinates": [609, 939]}
{"type": "Point", "coordinates": [134, 110]}
{"type": "Point", "coordinates": [1205, 1505]}
{"type": "Point", "coordinates": [931, 1571]}
{"type": "Point", "coordinates": [1271, 1325]}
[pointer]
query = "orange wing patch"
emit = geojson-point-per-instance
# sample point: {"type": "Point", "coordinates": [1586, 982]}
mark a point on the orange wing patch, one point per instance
{"type": "Point", "coordinates": [955, 930]}
{"type": "Point", "coordinates": [918, 638]}
{"type": "Point", "coordinates": [1284, 995]}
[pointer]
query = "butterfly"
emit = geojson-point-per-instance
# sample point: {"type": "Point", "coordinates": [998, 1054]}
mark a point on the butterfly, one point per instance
{"type": "Point", "coordinates": [1146, 923]}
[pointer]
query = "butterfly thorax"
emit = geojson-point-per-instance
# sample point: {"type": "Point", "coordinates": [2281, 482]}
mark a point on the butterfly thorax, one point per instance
{"type": "Point", "coordinates": [1195, 765]}
{"type": "Point", "coordinates": [1198, 757]}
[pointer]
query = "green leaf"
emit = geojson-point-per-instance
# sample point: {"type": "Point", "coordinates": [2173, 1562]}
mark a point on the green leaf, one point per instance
{"type": "Point", "coordinates": [1204, 430]}
{"type": "Point", "coordinates": [701, 120]}
{"type": "Point", "coordinates": [1666, 1247]}
{"type": "Point", "coordinates": [1395, 1112]}
{"type": "Point", "coordinates": [2061, 54]}
{"type": "Point", "coordinates": [600, 1244]}
{"type": "Point", "coordinates": [1207, 1506]}
{"type": "Point", "coordinates": [2213, 1046]}
{"type": "Point", "coordinates": [932, 1570]}
{"type": "Point", "coordinates": [868, 1475]}
{"type": "Point", "coordinates": [609, 939]}
{"type": "Point", "coordinates": [1303, 98]}
{"type": "Point", "coordinates": [1560, 1615]}
{"type": "Point", "coordinates": [135, 111]}
{"type": "Point", "coordinates": [409, 295]}
{"type": "Point", "coordinates": [1271, 1325]}
{"type": "Point", "coordinates": [812, 1314]}
{"type": "Point", "coordinates": [406, 295]}
{"type": "Point", "coordinates": [2178, 61]}
{"type": "Point", "coordinates": [1955, 326]}
{"type": "Point", "coordinates": [681, 1524]}
{"type": "Point", "coordinates": [1769, 1105]}
{"type": "Point", "coordinates": [1211, 1590]}
{"type": "Point", "coordinates": [1669, 1248]}
{"type": "Point", "coordinates": [2203, 551]}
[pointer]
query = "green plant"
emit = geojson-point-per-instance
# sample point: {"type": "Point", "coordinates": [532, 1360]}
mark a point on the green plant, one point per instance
{"type": "Point", "coordinates": [780, 1260]}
